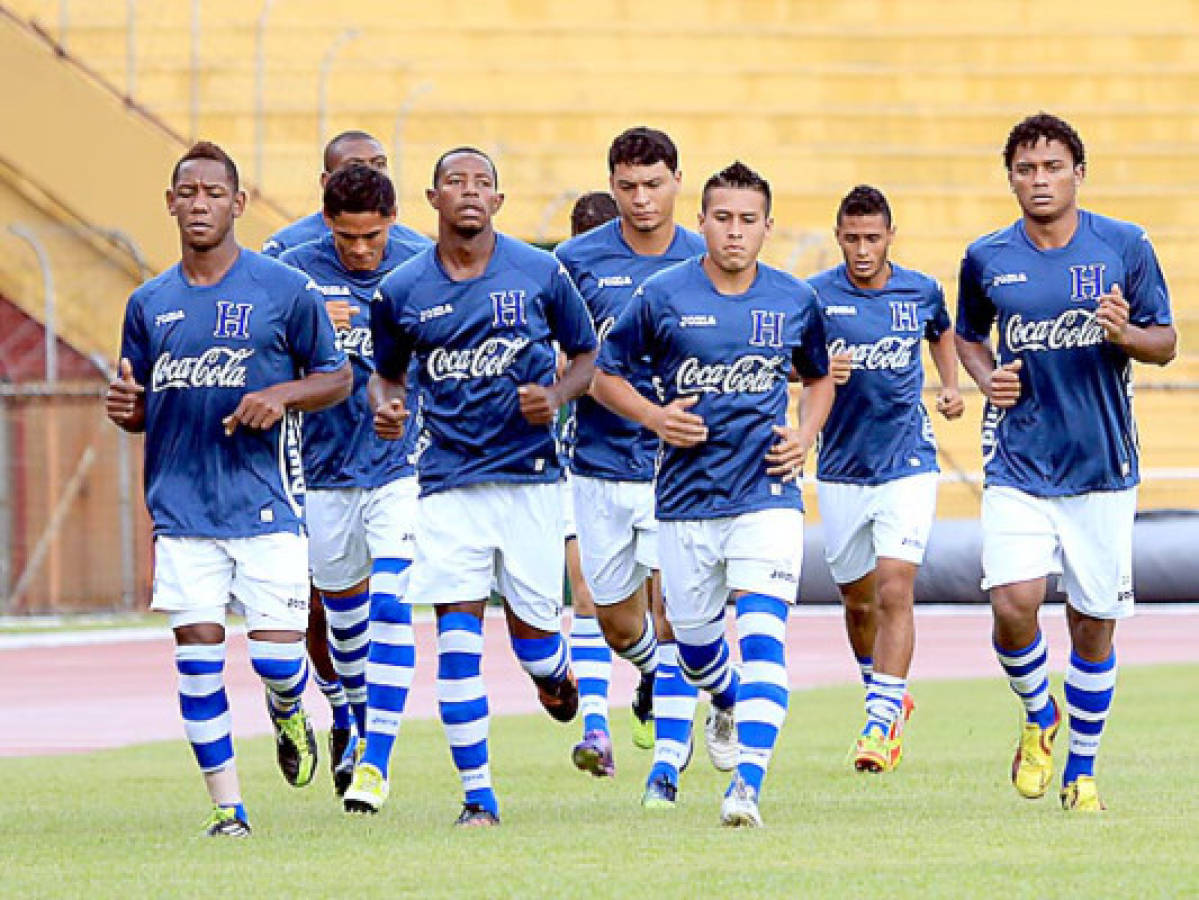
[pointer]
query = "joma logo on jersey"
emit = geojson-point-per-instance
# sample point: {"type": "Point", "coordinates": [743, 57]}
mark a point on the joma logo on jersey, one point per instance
{"type": "Point", "coordinates": [1086, 281]}
{"type": "Point", "coordinates": [766, 328]}
{"type": "Point", "coordinates": [905, 315]}
{"type": "Point", "coordinates": [436, 312]}
{"type": "Point", "coordinates": [508, 309]}
{"type": "Point", "coordinates": [608, 281]}
{"type": "Point", "coordinates": [334, 290]}
{"type": "Point", "coordinates": [232, 320]}
{"type": "Point", "coordinates": [697, 321]}
{"type": "Point", "coordinates": [1009, 278]}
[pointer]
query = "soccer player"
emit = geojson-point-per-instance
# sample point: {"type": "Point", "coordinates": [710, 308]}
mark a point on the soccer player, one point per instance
{"type": "Point", "coordinates": [346, 149]}
{"type": "Point", "coordinates": [877, 466]}
{"type": "Point", "coordinates": [722, 332]}
{"type": "Point", "coordinates": [481, 312]}
{"type": "Point", "coordinates": [1074, 297]}
{"type": "Point", "coordinates": [612, 474]}
{"type": "Point", "coordinates": [361, 490]}
{"type": "Point", "coordinates": [218, 356]}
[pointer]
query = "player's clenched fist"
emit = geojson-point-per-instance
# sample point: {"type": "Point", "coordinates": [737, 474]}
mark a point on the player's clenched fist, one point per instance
{"type": "Point", "coordinates": [1112, 314]}
{"type": "Point", "coordinates": [340, 313]}
{"type": "Point", "coordinates": [1004, 387]}
{"type": "Point", "coordinates": [125, 401]}
{"type": "Point", "coordinates": [678, 427]}
{"type": "Point", "coordinates": [389, 419]}
{"type": "Point", "coordinates": [539, 405]}
{"type": "Point", "coordinates": [259, 410]}
{"type": "Point", "coordinates": [785, 459]}
{"type": "Point", "coordinates": [840, 366]}
{"type": "Point", "coordinates": [950, 403]}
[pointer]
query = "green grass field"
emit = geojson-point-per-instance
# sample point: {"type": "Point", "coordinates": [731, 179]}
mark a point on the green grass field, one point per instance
{"type": "Point", "coordinates": [947, 823]}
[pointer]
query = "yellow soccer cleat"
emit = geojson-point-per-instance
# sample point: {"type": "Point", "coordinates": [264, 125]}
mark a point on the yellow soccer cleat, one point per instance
{"type": "Point", "coordinates": [1032, 766]}
{"type": "Point", "coordinates": [874, 752]}
{"type": "Point", "coordinates": [1082, 795]}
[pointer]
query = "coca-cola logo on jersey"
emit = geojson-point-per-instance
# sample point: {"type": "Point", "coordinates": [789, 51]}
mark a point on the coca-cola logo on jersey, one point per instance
{"type": "Point", "coordinates": [489, 360]}
{"type": "Point", "coordinates": [216, 367]}
{"type": "Point", "coordinates": [886, 353]}
{"type": "Point", "coordinates": [1068, 330]}
{"type": "Point", "coordinates": [748, 375]}
{"type": "Point", "coordinates": [356, 342]}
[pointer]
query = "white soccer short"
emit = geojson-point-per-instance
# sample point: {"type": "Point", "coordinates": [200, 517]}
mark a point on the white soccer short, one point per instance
{"type": "Point", "coordinates": [1087, 539]}
{"type": "Point", "coordinates": [569, 526]}
{"type": "Point", "coordinates": [266, 577]}
{"type": "Point", "coordinates": [703, 560]}
{"type": "Point", "coordinates": [348, 528]}
{"type": "Point", "coordinates": [865, 521]}
{"type": "Point", "coordinates": [512, 533]}
{"type": "Point", "coordinates": [618, 537]}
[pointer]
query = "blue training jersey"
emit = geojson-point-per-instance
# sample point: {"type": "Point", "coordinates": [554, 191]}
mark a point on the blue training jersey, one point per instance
{"type": "Point", "coordinates": [734, 353]}
{"type": "Point", "coordinates": [198, 350]}
{"type": "Point", "coordinates": [312, 228]}
{"type": "Point", "coordinates": [475, 342]}
{"type": "Point", "coordinates": [607, 272]}
{"type": "Point", "coordinates": [878, 429]}
{"type": "Point", "coordinates": [341, 449]}
{"type": "Point", "coordinates": [1072, 429]}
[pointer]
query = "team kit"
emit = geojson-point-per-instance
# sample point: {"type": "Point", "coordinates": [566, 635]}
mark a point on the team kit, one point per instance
{"type": "Point", "coordinates": [360, 419]}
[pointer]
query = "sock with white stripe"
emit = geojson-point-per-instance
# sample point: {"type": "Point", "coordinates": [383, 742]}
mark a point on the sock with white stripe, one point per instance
{"type": "Point", "coordinates": [283, 668]}
{"type": "Point", "coordinates": [674, 714]}
{"type": "Point", "coordinates": [204, 704]}
{"type": "Point", "coordinates": [706, 661]}
{"type": "Point", "coordinates": [349, 619]}
{"type": "Point", "coordinates": [643, 652]}
{"type": "Point", "coordinates": [1089, 690]}
{"type": "Point", "coordinates": [884, 702]}
{"type": "Point", "coordinates": [339, 704]}
{"type": "Point", "coordinates": [592, 661]}
{"type": "Point", "coordinates": [865, 667]}
{"type": "Point", "coordinates": [462, 702]}
{"type": "Point", "coordinates": [763, 693]}
{"type": "Point", "coordinates": [1028, 674]}
{"type": "Point", "coordinates": [544, 658]}
{"type": "Point", "coordinates": [391, 663]}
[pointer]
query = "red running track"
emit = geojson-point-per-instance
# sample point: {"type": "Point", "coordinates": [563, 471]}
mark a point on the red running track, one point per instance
{"type": "Point", "coordinates": [88, 696]}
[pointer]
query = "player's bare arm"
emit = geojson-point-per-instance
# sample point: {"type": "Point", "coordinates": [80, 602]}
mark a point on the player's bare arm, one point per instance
{"type": "Point", "coordinates": [673, 423]}
{"type": "Point", "coordinates": [539, 404]}
{"type": "Point", "coordinates": [999, 385]}
{"type": "Point", "coordinates": [125, 402]}
{"type": "Point", "coordinates": [387, 400]}
{"type": "Point", "coordinates": [1155, 344]}
{"type": "Point", "coordinates": [949, 399]}
{"type": "Point", "coordinates": [317, 390]}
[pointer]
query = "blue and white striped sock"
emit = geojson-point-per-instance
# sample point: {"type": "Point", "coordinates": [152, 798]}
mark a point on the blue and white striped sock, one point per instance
{"type": "Point", "coordinates": [763, 694]}
{"type": "Point", "coordinates": [543, 658]}
{"type": "Point", "coordinates": [865, 667]}
{"type": "Point", "coordinates": [592, 661]}
{"type": "Point", "coordinates": [204, 705]}
{"type": "Point", "coordinates": [349, 618]}
{"type": "Point", "coordinates": [391, 663]}
{"type": "Point", "coordinates": [674, 714]}
{"type": "Point", "coordinates": [643, 652]}
{"type": "Point", "coordinates": [462, 702]}
{"type": "Point", "coordinates": [1028, 674]}
{"type": "Point", "coordinates": [339, 704]}
{"type": "Point", "coordinates": [705, 660]}
{"type": "Point", "coordinates": [283, 668]}
{"type": "Point", "coordinates": [1089, 690]}
{"type": "Point", "coordinates": [884, 702]}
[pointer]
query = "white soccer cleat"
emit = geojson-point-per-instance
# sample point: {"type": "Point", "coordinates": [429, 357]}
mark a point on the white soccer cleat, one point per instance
{"type": "Point", "coordinates": [720, 733]}
{"type": "Point", "coordinates": [740, 807]}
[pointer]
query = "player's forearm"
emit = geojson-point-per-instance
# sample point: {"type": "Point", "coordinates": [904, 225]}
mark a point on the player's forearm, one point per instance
{"type": "Point", "coordinates": [577, 378]}
{"type": "Point", "coordinates": [317, 390]}
{"type": "Point", "coordinates": [977, 359]}
{"type": "Point", "coordinates": [1156, 344]}
{"type": "Point", "coordinates": [945, 359]}
{"type": "Point", "coordinates": [622, 398]}
{"type": "Point", "coordinates": [380, 391]}
{"type": "Point", "coordinates": [814, 406]}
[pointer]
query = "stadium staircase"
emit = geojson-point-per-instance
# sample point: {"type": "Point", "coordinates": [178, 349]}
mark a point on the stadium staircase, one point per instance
{"type": "Point", "coordinates": [915, 98]}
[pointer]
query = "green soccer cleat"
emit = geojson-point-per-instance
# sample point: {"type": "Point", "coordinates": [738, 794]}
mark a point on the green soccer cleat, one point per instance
{"type": "Point", "coordinates": [661, 793]}
{"type": "Point", "coordinates": [642, 728]}
{"type": "Point", "coordinates": [295, 745]}
{"type": "Point", "coordinates": [1032, 766]}
{"type": "Point", "coordinates": [367, 792]}
{"type": "Point", "coordinates": [223, 822]}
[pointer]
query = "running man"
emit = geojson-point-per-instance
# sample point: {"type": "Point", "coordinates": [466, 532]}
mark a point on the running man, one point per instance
{"type": "Point", "coordinates": [613, 464]}
{"type": "Point", "coordinates": [218, 356]}
{"type": "Point", "coordinates": [481, 313]}
{"type": "Point", "coordinates": [1074, 298]}
{"type": "Point", "coordinates": [362, 490]}
{"type": "Point", "coordinates": [877, 467]}
{"type": "Point", "coordinates": [722, 332]}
